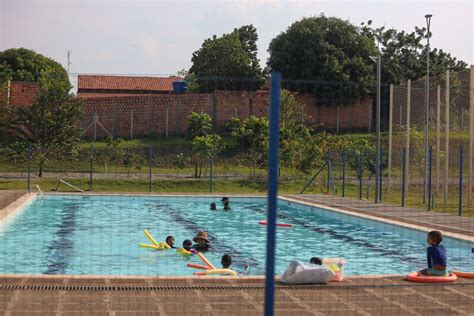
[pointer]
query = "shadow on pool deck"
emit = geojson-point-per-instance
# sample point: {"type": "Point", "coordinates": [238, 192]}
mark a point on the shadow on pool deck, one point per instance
{"type": "Point", "coordinates": [221, 296]}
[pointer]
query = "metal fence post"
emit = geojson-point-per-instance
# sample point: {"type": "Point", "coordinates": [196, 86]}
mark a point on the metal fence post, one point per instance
{"type": "Point", "coordinates": [390, 135]}
{"type": "Point", "coordinates": [343, 173]}
{"type": "Point", "coordinates": [272, 193]}
{"type": "Point", "coordinates": [91, 171]}
{"type": "Point", "coordinates": [438, 135]}
{"type": "Point", "coordinates": [446, 146]}
{"type": "Point", "coordinates": [407, 146]}
{"type": "Point", "coordinates": [471, 138]}
{"type": "Point", "coordinates": [404, 160]}
{"type": "Point", "coordinates": [360, 175]}
{"type": "Point", "coordinates": [150, 165]}
{"type": "Point", "coordinates": [380, 174]}
{"type": "Point", "coordinates": [210, 170]}
{"type": "Point", "coordinates": [329, 173]}
{"type": "Point", "coordinates": [131, 124]}
{"type": "Point", "coordinates": [460, 181]}
{"type": "Point", "coordinates": [430, 173]}
{"type": "Point", "coordinates": [29, 167]}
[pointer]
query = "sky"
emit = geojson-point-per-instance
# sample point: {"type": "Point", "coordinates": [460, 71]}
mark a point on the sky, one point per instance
{"type": "Point", "coordinates": [159, 37]}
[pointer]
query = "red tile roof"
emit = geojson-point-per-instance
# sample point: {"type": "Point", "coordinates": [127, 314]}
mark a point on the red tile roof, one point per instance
{"type": "Point", "coordinates": [126, 83]}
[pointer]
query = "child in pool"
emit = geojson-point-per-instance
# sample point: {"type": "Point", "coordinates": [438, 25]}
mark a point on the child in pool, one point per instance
{"type": "Point", "coordinates": [170, 241]}
{"type": "Point", "coordinates": [213, 206]}
{"type": "Point", "coordinates": [187, 244]}
{"type": "Point", "coordinates": [225, 201]}
{"type": "Point", "coordinates": [201, 242]}
{"type": "Point", "coordinates": [436, 255]}
{"type": "Point", "coordinates": [226, 262]}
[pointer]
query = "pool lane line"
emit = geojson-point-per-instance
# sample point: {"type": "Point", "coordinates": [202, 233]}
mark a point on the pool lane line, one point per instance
{"type": "Point", "coordinates": [216, 245]}
{"type": "Point", "coordinates": [61, 248]}
{"type": "Point", "coordinates": [349, 239]}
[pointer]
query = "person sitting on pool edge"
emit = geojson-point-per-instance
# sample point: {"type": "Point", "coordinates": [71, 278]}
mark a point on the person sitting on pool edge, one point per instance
{"type": "Point", "coordinates": [436, 255]}
{"type": "Point", "coordinates": [187, 244]}
{"type": "Point", "coordinates": [201, 242]}
{"type": "Point", "coordinates": [213, 206]}
{"type": "Point", "coordinates": [170, 241]}
{"type": "Point", "coordinates": [225, 201]}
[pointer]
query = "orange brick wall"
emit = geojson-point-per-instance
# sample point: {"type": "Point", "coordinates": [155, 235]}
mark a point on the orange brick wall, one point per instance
{"type": "Point", "coordinates": [21, 93]}
{"type": "Point", "coordinates": [149, 112]}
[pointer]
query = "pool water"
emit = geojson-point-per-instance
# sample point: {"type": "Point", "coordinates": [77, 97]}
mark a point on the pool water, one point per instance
{"type": "Point", "coordinates": [99, 235]}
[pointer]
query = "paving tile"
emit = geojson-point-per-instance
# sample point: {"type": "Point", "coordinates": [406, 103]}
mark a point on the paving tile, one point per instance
{"type": "Point", "coordinates": [25, 306]}
{"type": "Point", "coordinates": [136, 307]}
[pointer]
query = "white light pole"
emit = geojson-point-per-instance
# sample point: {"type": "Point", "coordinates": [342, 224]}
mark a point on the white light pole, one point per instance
{"type": "Point", "coordinates": [427, 88]}
{"type": "Point", "coordinates": [377, 128]}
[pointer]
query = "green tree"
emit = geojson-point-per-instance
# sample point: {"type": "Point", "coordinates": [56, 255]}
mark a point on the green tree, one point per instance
{"type": "Point", "coordinates": [199, 124]}
{"type": "Point", "coordinates": [50, 124]}
{"type": "Point", "coordinates": [201, 148]}
{"type": "Point", "coordinates": [21, 64]}
{"type": "Point", "coordinates": [404, 54]}
{"type": "Point", "coordinates": [325, 48]}
{"type": "Point", "coordinates": [232, 55]}
{"type": "Point", "coordinates": [251, 136]}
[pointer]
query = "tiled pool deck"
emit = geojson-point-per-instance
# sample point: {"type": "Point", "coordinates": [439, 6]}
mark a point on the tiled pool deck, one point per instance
{"type": "Point", "coordinates": [390, 295]}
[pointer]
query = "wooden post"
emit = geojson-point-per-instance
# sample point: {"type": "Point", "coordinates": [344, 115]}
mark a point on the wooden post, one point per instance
{"type": "Point", "coordinates": [337, 120]}
{"type": "Point", "coordinates": [446, 146]}
{"type": "Point", "coordinates": [390, 125]}
{"type": "Point", "coordinates": [471, 137]}
{"type": "Point", "coordinates": [438, 135]}
{"type": "Point", "coordinates": [407, 145]}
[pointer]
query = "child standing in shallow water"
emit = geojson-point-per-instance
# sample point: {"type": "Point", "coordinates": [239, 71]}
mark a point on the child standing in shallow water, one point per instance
{"type": "Point", "coordinates": [436, 255]}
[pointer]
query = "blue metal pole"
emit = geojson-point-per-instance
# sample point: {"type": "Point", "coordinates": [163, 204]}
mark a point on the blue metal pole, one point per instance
{"type": "Point", "coordinates": [460, 181]}
{"type": "Point", "coordinates": [91, 166]}
{"type": "Point", "coordinates": [430, 167]}
{"type": "Point", "coordinates": [360, 175]}
{"type": "Point", "coordinates": [29, 168]}
{"type": "Point", "coordinates": [210, 170]}
{"type": "Point", "coordinates": [273, 161]}
{"type": "Point", "coordinates": [404, 166]}
{"type": "Point", "coordinates": [343, 173]}
{"type": "Point", "coordinates": [150, 166]}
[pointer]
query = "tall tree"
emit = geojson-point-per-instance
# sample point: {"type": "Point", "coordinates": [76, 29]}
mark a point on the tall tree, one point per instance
{"type": "Point", "coordinates": [326, 49]}
{"type": "Point", "coordinates": [404, 54]}
{"type": "Point", "coordinates": [49, 125]}
{"type": "Point", "coordinates": [21, 64]}
{"type": "Point", "coordinates": [232, 55]}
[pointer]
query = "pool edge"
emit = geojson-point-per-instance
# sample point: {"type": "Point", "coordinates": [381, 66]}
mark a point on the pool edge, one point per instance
{"type": "Point", "coordinates": [417, 227]}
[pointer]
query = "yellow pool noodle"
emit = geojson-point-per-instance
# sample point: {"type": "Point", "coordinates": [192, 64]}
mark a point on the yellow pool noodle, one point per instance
{"type": "Point", "coordinates": [221, 271]}
{"type": "Point", "coordinates": [150, 238]}
{"type": "Point", "coordinates": [183, 251]}
{"type": "Point", "coordinates": [164, 245]}
{"type": "Point", "coordinates": [150, 246]}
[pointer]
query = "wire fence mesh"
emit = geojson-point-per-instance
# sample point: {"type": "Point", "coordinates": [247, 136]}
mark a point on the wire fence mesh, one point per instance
{"type": "Point", "coordinates": [216, 141]}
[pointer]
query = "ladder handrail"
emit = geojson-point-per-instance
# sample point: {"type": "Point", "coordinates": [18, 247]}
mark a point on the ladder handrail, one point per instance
{"type": "Point", "coordinates": [68, 184]}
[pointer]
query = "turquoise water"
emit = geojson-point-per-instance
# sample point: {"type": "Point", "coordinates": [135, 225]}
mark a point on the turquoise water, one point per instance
{"type": "Point", "coordinates": [100, 235]}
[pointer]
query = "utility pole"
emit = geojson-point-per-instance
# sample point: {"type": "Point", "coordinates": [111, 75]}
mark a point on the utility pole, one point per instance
{"type": "Point", "coordinates": [68, 60]}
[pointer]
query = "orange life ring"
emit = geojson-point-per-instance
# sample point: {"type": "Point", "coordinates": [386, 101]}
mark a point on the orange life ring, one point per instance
{"type": "Point", "coordinates": [469, 275]}
{"type": "Point", "coordinates": [415, 277]}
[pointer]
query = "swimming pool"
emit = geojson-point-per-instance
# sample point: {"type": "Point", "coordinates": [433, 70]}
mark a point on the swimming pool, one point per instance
{"type": "Point", "coordinates": [99, 235]}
